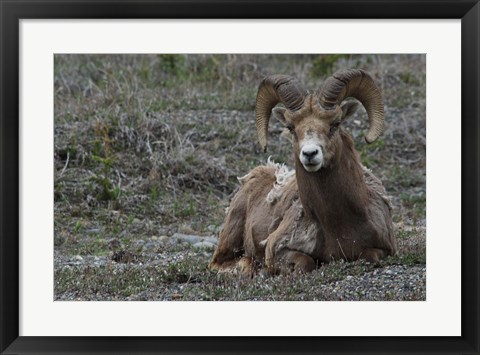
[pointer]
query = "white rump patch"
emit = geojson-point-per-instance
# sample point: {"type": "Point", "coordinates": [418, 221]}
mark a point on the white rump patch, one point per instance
{"type": "Point", "coordinates": [282, 175]}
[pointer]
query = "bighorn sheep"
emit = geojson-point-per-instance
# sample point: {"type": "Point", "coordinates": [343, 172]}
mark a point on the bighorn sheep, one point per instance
{"type": "Point", "coordinates": [332, 207]}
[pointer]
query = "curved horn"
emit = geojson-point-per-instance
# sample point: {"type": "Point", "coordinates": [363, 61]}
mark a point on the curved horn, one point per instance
{"type": "Point", "coordinates": [359, 84]}
{"type": "Point", "coordinates": [272, 90]}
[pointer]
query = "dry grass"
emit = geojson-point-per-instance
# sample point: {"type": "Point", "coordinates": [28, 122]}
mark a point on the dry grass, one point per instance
{"type": "Point", "coordinates": [150, 145]}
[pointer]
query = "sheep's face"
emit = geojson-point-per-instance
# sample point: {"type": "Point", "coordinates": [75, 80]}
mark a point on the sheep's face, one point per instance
{"type": "Point", "coordinates": [314, 132]}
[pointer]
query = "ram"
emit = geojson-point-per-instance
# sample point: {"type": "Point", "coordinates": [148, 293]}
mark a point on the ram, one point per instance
{"type": "Point", "coordinates": [331, 207]}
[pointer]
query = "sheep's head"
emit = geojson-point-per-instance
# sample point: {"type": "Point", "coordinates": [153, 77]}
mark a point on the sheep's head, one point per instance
{"type": "Point", "coordinates": [314, 119]}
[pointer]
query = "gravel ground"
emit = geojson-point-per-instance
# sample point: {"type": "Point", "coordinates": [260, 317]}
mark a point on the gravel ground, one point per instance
{"type": "Point", "coordinates": [396, 282]}
{"type": "Point", "coordinates": [153, 260]}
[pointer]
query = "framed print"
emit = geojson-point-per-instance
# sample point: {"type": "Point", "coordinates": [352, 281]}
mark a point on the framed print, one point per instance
{"type": "Point", "coordinates": [150, 203]}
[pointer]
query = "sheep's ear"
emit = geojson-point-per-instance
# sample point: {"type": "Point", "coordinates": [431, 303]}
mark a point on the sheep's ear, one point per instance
{"type": "Point", "coordinates": [279, 114]}
{"type": "Point", "coordinates": [349, 108]}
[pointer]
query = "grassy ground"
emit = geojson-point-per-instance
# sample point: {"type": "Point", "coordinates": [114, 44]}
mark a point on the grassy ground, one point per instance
{"type": "Point", "coordinates": [150, 145]}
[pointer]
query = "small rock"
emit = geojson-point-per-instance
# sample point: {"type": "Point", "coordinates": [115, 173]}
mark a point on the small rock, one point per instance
{"type": "Point", "coordinates": [186, 229]}
{"type": "Point", "coordinates": [188, 238]}
{"type": "Point", "coordinates": [94, 230]}
{"type": "Point", "coordinates": [212, 240]}
{"type": "Point", "coordinates": [164, 239]}
{"type": "Point", "coordinates": [204, 245]}
{"type": "Point", "coordinates": [212, 228]}
{"type": "Point", "coordinates": [78, 258]}
{"type": "Point", "coordinates": [148, 246]}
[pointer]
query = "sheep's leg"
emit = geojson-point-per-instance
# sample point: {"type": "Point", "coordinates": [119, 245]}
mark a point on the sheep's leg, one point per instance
{"type": "Point", "coordinates": [298, 262]}
{"type": "Point", "coordinates": [230, 240]}
{"type": "Point", "coordinates": [279, 258]}
{"type": "Point", "coordinates": [287, 261]}
{"type": "Point", "coordinates": [373, 255]}
{"type": "Point", "coordinates": [246, 265]}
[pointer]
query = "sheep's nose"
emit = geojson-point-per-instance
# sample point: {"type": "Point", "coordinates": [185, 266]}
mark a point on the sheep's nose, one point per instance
{"type": "Point", "coordinates": [310, 153]}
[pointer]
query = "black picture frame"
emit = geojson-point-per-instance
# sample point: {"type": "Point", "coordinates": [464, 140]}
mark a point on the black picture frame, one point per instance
{"type": "Point", "coordinates": [11, 11]}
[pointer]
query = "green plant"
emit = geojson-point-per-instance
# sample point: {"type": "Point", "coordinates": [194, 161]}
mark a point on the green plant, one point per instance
{"type": "Point", "coordinates": [78, 226]}
{"type": "Point", "coordinates": [184, 208]}
{"type": "Point", "coordinates": [324, 63]}
{"type": "Point", "coordinates": [368, 152]}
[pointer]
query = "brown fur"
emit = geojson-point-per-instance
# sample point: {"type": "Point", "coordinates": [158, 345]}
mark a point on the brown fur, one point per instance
{"type": "Point", "coordinates": [355, 217]}
{"type": "Point", "coordinates": [339, 212]}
